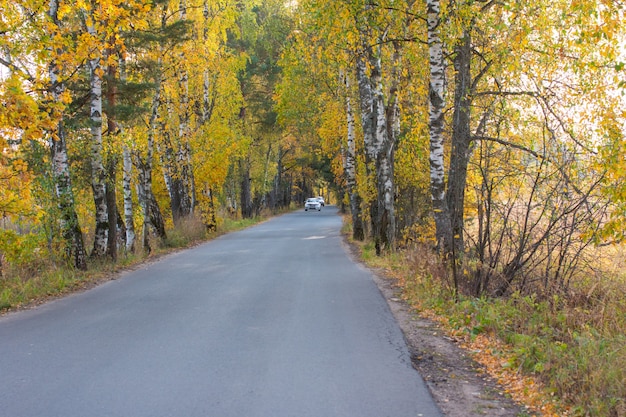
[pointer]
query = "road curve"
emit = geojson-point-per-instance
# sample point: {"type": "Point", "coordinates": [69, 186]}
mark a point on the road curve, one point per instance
{"type": "Point", "coordinates": [272, 321]}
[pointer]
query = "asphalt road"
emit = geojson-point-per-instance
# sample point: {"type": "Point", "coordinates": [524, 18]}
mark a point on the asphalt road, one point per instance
{"type": "Point", "coordinates": [272, 321]}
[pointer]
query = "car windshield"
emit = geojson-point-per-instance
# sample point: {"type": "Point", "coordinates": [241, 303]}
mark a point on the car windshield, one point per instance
{"type": "Point", "coordinates": [311, 200]}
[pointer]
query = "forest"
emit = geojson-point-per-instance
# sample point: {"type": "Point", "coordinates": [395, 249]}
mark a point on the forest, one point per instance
{"type": "Point", "coordinates": [479, 141]}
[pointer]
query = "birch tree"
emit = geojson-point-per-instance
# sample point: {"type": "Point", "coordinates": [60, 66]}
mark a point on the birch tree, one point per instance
{"type": "Point", "coordinates": [60, 166]}
{"type": "Point", "coordinates": [350, 167]}
{"type": "Point", "coordinates": [186, 194]}
{"type": "Point", "coordinates": [436, 125]}
{"type": "Point", "coordinates": [98, 173]}
{"type": "Point", "coordinates": [379, 116]}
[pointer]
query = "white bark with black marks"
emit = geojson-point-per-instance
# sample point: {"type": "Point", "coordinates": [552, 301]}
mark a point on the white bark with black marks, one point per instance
{"type": "Point", "coordinates": [436, 125]}
{"type": "Point", "coordinates": [358, 232]}
{"type": "Point", "coordinates": [128, 199]}
{"type": "Point", "coordinates": [379, 140]}
{"type": "Point", "coordinates": [98, 173]}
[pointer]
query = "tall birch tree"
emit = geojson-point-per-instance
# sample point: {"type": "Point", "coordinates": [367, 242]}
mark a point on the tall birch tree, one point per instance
{"type": "Point", "coordinates": [379, 117]}
{"type": "Point", "coordinates": [98, 172]}
{"type": "Point", "coordinates": [436, 125]}
{"type": "Point", "coordinates": [70, 227]}
{"type": "Point", "coordinates": [350, 167]}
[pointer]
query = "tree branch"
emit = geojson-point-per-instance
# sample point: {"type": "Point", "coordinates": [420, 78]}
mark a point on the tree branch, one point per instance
{"type": "Point", "coordinates": [533, 153]}
{"type": "Point", "coordinates": [17, 69]}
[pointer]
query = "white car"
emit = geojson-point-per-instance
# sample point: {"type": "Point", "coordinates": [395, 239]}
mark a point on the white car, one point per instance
{"type": "Point", "coordinates": [321, 200]}
{"type": "Point", "coordinates": [312, 204]}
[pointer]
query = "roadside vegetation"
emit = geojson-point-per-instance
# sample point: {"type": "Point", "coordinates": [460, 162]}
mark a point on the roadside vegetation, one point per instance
{"type": "Point", "coordinates": [560, 355]}
{"type": "Point", "coordinates": [30, 278]}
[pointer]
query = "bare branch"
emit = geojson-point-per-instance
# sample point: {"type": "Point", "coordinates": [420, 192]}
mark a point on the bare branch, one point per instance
{"type": "Point", "coordinates": [536, 155]}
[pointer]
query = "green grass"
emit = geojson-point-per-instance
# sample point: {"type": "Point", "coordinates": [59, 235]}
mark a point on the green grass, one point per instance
{"type": "Point", "coordinates": [18, 290]}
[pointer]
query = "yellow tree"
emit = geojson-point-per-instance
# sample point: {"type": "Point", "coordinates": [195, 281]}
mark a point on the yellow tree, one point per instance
{"type": "Point", "coordinates": [39, 54]}
{"type": "Point", "coordinates": [263, 27]}
{"type": "Point", "coordinates": [216, 95]}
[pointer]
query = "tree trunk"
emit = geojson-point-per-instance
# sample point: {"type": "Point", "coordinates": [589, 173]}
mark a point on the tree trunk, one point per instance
{"type": "Point", "coordinates": [368, 124]}
{"type": "Point", "coordinates": [98, 173]}
{"type": "Point", "coordinates": [151, 212]}
{"type": "Point", "coordinates": [70, 229]}
{"type": "Point", "coordinates": [149, 206]}
{"type": "Point", "coordinates": [128, 199]}
{"type": "Point", "coordinates": [380, 157]}
{"type": "Point", "coordinates": [168, 158]}
{"type": "Point", "coordinates": [247, 208]}
{"type": "Point", "coordinates": [379, 143]}
{"type": "Point", "coordinates": [210, 219]}
{"type": "Point", "coordinates": [358, 232]}
{"type": "Point", "coordinates": [436, 127]}
{"type": "Point", "coordinates": [186, 182]}
{"type": "Point", "coordinates": [276, 194]}
{"type": "Point", "coordinates": [113, 130]}
{"type": "Point", "coordinates": [112, 211]}
{"type": "Point", "coordinates": [461, 135]}
{"type": "Point", "coordinates": [187, 190]}
{"type": "Point", "coordinates": [386, 156]}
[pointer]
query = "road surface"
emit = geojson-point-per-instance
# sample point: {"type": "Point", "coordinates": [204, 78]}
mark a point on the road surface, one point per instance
{"type": "Point", "coordinates": [272, 321]}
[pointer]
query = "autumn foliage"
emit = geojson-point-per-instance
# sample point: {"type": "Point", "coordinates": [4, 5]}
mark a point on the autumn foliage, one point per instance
{"type": "Point", "coordinates": [488, 134]}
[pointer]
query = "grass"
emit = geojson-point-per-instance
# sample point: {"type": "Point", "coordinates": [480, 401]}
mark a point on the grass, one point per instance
{"type": "Point", "coordinates": [563, 356]}
{"type": "Point", "coordinates": [17, 290]}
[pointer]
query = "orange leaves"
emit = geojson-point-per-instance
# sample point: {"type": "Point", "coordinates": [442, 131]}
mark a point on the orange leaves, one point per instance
{"type": "Point", "coordinates": [15, 178]}
{"type": "Point", "coordinates": [489, 352]}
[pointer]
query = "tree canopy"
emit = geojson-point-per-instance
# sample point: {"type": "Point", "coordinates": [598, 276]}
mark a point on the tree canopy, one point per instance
{"type": "Point", "coordinates": [492, 130]}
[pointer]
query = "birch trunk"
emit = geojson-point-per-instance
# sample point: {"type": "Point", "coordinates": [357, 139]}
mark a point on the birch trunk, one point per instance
{"type": "Point", "coordinates": [184, 182]}
{"type": "Point", "coordinates": [358, 232]}
{"type": "Point", "coordinates": [368, 125]}
{"type": "Point", "coordinates": [117, 229]}
{"type": "Point", "coordinates": [171, 174]}
{"type": "Point", "coordinates": [379, 143]}
{"type": "Point", "coordinates": [127, 174]}
{"type": "Point", "coordinates": [98, 173]}
{"type": "Point", "coordinates": [187, 199]}
{"type": "Point", "coordinates": [436, 126]}
{"type": "Point", "coordinates": [151, 212]}
{"type": "Point", "coordinates": [70, 229]}
{"type": "Point", "coordinates": [381, 162]}
{"type": "Point", "coordinates": [386, 156]}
